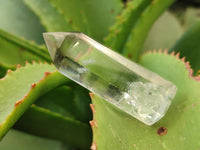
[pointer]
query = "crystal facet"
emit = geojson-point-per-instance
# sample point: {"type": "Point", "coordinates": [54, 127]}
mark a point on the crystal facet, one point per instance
{"type": "Point", "coordinates": [125, 84]}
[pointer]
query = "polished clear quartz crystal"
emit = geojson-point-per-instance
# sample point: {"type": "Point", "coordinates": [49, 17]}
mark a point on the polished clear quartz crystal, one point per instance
{"type": "Point", "coordinates": [125, 84]}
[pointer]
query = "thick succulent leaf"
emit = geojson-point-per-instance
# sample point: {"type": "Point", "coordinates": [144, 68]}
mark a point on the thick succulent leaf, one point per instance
{"type": "Point", "coordinates": [114, 129]}
{"type": "Point", "coordinates": [50, 17]}
{"type": "Point", "coordinates": [132, 27]}
{"type": "Point", "coordinates": [16, 140]}
{"type": "Point", "coordinates": [82, 102]}
{"type": "Point", "coordinates": [70, 102]}
{"type": "Point", "coordinates": [140, 31]}
{"type": "Point", "coordinates": [164, 33]}
{"type": "Point", "coordinates": [59, 100]}
{"type": "Point", "coordinates": [188, 46]}
{"type": "Point", "coordinates": [42, 122]}
{"type": "Point", "coordinates": [14, 50]}
{"type": "Point", "coordinates": [92, 17]}
{"type": "Point", "coordinates": [19, 89]}
{"type": "Point", "coordinates": [16, 18]}
{"type": "Point", "coordinates": [120, 31]}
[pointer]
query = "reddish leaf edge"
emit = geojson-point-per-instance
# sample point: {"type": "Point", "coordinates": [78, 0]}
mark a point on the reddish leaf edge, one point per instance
{"type": "Point", "coordinates": [18, 66]}
{"type": "Point", "coordinates": [177, 55]}
{"type": "Point", "coordinates": [34, 87]}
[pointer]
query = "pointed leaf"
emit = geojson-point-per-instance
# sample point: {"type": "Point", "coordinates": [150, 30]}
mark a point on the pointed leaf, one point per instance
{"type": "Point", "coordinates": [90, 16]}
{"type": "Point", "coordinates": [19, 89]}
{"type": "Point", "coordinates": [50, 17]}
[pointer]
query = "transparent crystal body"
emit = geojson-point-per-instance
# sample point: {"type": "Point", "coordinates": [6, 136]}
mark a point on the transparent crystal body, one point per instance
{"type": "Point", "coordinates": [127, 85]}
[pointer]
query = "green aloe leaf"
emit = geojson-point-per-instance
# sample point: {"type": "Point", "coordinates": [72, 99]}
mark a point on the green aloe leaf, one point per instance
{"type": "Point", "coordinates": [59, 100]}
{"type": "Point", "coordinates": [136, 39]}
{"type": "Point", "coordinates": [16, 140]}
{"type": "Point", "coordinates": [17, 18]}
{"type": "Point", "coordinates": [45, 123]}
{"type": "Point", "coordinates": [82, 103]}
{"type": "Point", "coordinates": [120, 31]}
{"type": "Point", "coordinates": [50, 17]}
{"type": "Point", "coordinates": [88, 16]}
{"type": "Point", "coordinates": [188, 46]}
{"type": "Point", "coordinates": [14, 50]}
{"type": "Point", "coordinates": [114, 129]}
{"type": "Point", "coordinates": [70, 102]}
{"type": "Point", "coordinates": [20, 88]}
{"type": "Point", "coordinates": [128, 35]}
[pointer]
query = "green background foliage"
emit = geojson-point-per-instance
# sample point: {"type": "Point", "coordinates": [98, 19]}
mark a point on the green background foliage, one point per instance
{"type": "Point", "coordinates": [42, 109]}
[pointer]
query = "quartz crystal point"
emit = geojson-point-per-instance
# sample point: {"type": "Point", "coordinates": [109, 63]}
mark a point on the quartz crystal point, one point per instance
{"type": "Point", "coordinates": [125, 84]}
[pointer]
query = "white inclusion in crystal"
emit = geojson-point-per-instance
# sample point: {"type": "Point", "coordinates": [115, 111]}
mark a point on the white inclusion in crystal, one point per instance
{"type": "Point", "coordinates": [147, 100]}
{"type": "Point", "coordinates": [125, 84]}
{"type": "Point", "coordinates": [82, 70]}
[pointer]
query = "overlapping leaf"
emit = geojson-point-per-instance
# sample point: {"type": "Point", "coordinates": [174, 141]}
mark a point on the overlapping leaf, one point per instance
{"type": "Point", "coordinates": [139, 33]}
{"type": "Point", "coordinates": [22, 141]}
{"type": "Point", "coordinates": [19, 89]}
{"type": "Point", "coordinates": [88, 16]}
{"type": "Point", "coordinates": [45, 123]}
{"type": "Point", "coordinates": [17, 18]}
{"type": "Point", "coordinates": [68, 101]}
{"type": "Point", "coordinates": [50, 17]}
{"type": "Point", "coordinates": [132, 27]}
{"type": "Point", "coordinates": [15, 50]}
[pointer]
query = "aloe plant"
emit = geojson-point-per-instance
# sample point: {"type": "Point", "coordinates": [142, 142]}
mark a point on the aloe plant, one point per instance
{"type": "Point", "coordinates": [42, 109]}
